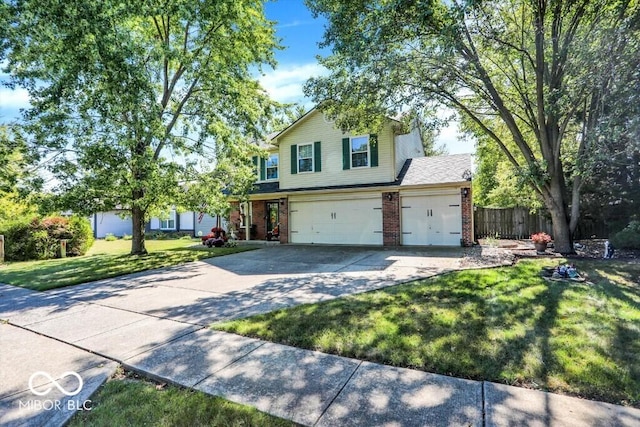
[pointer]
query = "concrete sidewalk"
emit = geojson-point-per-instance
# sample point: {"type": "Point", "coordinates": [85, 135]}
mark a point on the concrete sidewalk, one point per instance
{"type": "Point", "coordinates": [307, 387]}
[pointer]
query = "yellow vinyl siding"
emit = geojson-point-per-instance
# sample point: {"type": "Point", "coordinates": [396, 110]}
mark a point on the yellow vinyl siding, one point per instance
{"type": "Point", "coordinates": [316, 128]}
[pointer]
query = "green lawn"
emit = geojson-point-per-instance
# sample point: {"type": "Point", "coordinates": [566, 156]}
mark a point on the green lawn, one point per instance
{"type": "Point", "coordinates": [106, 259]}
{"type": "Point", "coordinates": [127, 402]}
{"type": "Point", "coordinates": [507, 325]}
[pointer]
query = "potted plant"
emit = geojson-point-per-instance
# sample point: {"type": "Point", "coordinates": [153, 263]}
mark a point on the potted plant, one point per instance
{"type": "Point", "coordinates": [540, 241]}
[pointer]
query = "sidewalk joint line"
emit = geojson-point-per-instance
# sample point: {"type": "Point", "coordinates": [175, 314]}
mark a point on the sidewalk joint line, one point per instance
{"type": "Point", "coordinates": [65, 342]}
{"type": "Point", "coordinates": [482, 393]}
{"type": "Point", "coordinates": [338, 393]}
{"type": "Point", "coordinates": [229, 364]}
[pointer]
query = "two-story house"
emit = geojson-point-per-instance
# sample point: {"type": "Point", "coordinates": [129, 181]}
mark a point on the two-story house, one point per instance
{"type": "Point", "coordinates": [320, 185]}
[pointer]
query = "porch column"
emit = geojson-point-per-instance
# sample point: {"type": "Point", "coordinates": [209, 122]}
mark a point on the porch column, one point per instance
{"type": "Point", "coordinates": [249, 220]}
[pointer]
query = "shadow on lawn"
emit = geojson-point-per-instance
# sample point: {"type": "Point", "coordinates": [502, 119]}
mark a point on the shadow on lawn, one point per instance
{"type": "Point", "coordinates": [512, 327]}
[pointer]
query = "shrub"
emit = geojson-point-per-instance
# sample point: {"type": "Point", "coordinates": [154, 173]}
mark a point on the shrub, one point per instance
{"type": "Point", "coordinates": [81, 236]}
{"type": "Point", "coordinates": [28, 239]}
{"type": "Point", "coordinates": [40, 239]}
{"type": "Point", "coordinates": [126, 236]}
{"type": "Point", "coordinates": [629, 237]}
{"type": "Point", "coordinates": [109, 237]}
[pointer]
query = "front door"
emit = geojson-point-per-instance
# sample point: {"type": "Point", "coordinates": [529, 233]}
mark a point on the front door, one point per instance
{"type": "Point", "coordinates": [272, 220]}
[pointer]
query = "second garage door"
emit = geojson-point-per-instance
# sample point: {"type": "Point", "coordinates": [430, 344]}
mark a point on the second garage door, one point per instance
{"type": "Point", "coordinates": [431, 220]}
{"type": "Point", "coordinates": [355, 222]}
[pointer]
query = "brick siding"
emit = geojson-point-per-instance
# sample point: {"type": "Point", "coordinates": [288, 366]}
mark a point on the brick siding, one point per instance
{"type": "Point", "coordinates": [467, 216]}
{"type": "Point", "coordinates": [391, 219]}
{"type": "Point", "coordinates": [283, 216]}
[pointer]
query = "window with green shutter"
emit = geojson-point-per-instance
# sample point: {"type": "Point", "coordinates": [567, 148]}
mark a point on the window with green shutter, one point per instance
{"type": "Point", "coordinates": [346, 154]}
{"type": "Point", "coordinates": [317, 157]}
{"type": "Point", "coordinates": [373, 149]}
{"type": "Point", "coordinates": [263, 167]}
{"type": "Point", "coordinates": [294, 159]}
{"type": "Point", "coordinates": [360, 152]}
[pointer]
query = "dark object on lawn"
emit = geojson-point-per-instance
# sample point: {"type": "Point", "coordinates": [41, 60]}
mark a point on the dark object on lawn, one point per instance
{"type": "Point", "coordinates": [609, 249]}
{"type": "Point", "coordinates": [562, 272]}
{"type": "Point", "coordinates": [216, 238]}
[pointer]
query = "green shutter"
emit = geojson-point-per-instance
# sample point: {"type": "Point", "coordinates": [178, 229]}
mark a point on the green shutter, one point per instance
{"type": "Point", "coordinates": [254, 159]}
{"type": "Point", "coordinates": [263, 169]}
{"type": "Point", "coordinates": [346, 154]}
{"type": "Point", "coordinates": [317, 157]}
{"type": "Point", "coordinates": [373, 147]}
{"type": "Point", "coordinates": [294, 159]}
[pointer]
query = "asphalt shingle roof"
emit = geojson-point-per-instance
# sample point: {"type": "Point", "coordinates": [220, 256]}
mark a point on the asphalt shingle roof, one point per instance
{"type": "Point", "coordinates": [437, 170]}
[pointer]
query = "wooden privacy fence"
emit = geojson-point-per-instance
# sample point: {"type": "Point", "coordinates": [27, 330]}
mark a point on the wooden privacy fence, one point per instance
{"type": "Point", "coordinates": [509, 223]}
{"type": "Point", "coordinates": [519, 223]}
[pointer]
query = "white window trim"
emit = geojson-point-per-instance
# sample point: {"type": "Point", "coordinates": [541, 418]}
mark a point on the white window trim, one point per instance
{"type": "Point", "coordinates": [172, 216]}
{"type": "Point", "coordinates": [351, 152]}
{"type": "Point", "coordinates": [266, 168]}
{"type": "Point", "coordinates": [313, 158]}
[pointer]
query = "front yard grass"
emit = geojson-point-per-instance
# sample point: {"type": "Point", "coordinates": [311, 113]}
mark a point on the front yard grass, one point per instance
{"type": "Point", "coordinates": [106, 259]}
{"type": "Point", "coordinates": [506, 325]}
{"type": "Point", "coordinates": [131, 402]}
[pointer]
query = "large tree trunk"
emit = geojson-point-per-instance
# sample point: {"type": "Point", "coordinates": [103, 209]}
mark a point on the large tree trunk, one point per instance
{"type": "Point", "coordinates": [555, 203]}
{"type": "Point", "coordinates": [137, 241]}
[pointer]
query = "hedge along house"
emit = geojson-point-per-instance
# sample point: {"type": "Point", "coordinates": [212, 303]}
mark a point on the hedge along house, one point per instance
{"type": "Point", "coordinates": [320, 185]}
{"type": "Point", "coordinates": [118, 223]}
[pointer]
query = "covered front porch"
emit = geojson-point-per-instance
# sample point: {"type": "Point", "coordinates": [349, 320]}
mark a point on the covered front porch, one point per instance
{"type": "Point", "coordinates": [262, 220]}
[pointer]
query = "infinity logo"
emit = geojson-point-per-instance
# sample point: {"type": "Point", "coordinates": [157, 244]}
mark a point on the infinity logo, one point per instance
{"type": "Point", "coordinates": [55, 383]}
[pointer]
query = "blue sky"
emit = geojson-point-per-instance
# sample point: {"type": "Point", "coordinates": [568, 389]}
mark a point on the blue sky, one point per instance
{"type": "Point", "coordinates": [300, 34]}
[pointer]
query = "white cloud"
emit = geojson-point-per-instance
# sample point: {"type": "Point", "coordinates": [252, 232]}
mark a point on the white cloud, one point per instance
{"type": "Point", "coordinates": [296, 23]}
{"type": "Point", "coordinates": [285, 84]}
{"type": "Point", "coordinates": [13, 99]}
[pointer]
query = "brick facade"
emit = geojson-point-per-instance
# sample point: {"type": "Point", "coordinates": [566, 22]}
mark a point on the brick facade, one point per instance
{"type": "Point", "coordinates": [390, 219]}
{"type": "Point", "coordinates": [467, 216]}
{"type": "Point", "coordinates": [259, 219]}
{"type": "Point", "coordinates": [283, 217]}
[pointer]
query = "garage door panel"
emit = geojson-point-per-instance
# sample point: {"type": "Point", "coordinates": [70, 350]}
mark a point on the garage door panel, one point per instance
{"type": "Point", "coordinates": [431, 220]}
{"type": "Point", "coordinates": [337, 221]}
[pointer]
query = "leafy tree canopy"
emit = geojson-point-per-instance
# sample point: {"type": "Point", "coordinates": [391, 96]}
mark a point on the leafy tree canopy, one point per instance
{"type": "Point", "coordinates": [140, 104]}
{"type": "Point", "coordinates": [534, 76]}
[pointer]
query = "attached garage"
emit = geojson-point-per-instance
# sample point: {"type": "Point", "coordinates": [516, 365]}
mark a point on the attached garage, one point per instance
{"type": "Point", "coordinates": [431, 219]}
{"type": "Point", "coordinates": [344, 220]}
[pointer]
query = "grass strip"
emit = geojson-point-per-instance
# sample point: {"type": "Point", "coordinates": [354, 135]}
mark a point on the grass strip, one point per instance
{"type": "Point", "coordinates": [507, 325]}
{"type": "Point", "coordinates": [106, 260]}
{"type": "Point", "coordinates": [129, 401]}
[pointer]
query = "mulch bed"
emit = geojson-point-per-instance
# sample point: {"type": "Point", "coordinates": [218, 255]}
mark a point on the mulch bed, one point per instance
{"type": "Point", "coordinates": [591, 248]}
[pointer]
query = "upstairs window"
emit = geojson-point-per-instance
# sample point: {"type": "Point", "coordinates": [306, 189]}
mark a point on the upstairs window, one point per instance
{"type": "Point", "coordinates": [360, 152]}
{"type": "Point", "coordinates": [305, 158]}
{"type": "Point", "coordinates": [271, 166]}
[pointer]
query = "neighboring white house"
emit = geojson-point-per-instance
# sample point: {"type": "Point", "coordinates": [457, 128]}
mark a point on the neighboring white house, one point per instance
{"type": "Point", "coordinates": [118, 223]}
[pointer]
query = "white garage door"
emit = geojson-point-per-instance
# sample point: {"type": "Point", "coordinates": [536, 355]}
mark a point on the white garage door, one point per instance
{"type": "Point", "coordinates": [431, 220]}
{"type": "Point", "coordinates": [355, 222]}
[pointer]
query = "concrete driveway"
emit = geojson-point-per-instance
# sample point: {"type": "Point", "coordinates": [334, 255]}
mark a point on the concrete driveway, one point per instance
{"type": "Point", "coordinates": [263, 280]}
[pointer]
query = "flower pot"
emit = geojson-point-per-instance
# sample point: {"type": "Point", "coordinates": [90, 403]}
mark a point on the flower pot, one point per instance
{"type": "Point", "coordinates": [541, 247]}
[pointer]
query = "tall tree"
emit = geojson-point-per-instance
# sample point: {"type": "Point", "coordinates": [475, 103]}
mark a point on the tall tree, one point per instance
{"type": "Point", "coordinates": [139, 104]}
{"type": "Point", "coordinates": [542, 70]}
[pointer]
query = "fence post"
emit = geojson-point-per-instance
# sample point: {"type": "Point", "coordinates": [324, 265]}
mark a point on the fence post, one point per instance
{"type": "Point", "coordinates": [1, 248]}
